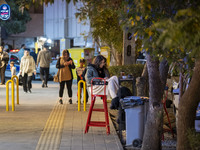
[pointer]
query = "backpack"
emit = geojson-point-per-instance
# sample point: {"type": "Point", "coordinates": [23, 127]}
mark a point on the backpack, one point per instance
{"type": "Point", "coordinates": [124, 92]}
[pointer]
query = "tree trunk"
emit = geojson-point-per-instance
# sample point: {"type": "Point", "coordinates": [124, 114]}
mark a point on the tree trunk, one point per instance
{"type": "Point", "coordinates": [157, 81]}
{"type": "Point", "coordinates": [117, 57]}
{"type": "Point", "coordinates": [187, 109]}
{"type": "Point", "coordinates": [142, 83]}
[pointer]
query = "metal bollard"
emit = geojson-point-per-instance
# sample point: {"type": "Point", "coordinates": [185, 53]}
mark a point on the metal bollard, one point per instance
{"type": "Point", "coordinates": [17, 85]}
{"type": "Point", "coordinates": [7, 95]}
{"type": "Point", "coordinates": [79, 95]}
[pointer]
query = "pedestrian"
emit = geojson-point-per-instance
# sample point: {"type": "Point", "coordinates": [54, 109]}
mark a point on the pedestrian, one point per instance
{"type": "Point", "coordinates": [33, 54]}
{"type": "Point", "coordinates": [44, 59]}
{"type": "Point", "coordinates": [4, 58]}
{"type": "Point", "coordinates": [81, 76]}
{"type": "Point", "coordinates": [27, 68]}
{"type": "Point", "coordinates": [99, 69]}
{"type": "Point", "coordinates": [12, 68]}
{"type": "Point", "coordinates": [21, 52]}
{"type": "Point", "coordinates": [65, 65]}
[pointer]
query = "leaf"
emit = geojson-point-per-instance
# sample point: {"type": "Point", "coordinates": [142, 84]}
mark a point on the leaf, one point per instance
{"type": "Point", "coordinates": [137, 18]}
{"type": "Point", "coordinates": [132, 23]}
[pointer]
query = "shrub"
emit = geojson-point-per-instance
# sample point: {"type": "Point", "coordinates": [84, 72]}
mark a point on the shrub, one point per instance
{"type": "Point", "coordinates": [135, 70]}
{"type": "Point", "coordinates": [194, 139]}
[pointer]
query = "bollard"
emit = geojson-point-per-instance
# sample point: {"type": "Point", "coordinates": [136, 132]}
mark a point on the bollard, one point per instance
{"type": "Point", "coordinates": [17, 86]}
{"type": "Point", "coordinates": [7, 95]}
{"type": "Point", "coordinates": [79, 95]}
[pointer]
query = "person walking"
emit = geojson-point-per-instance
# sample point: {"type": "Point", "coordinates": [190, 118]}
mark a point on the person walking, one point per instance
{"type": "Point", "coordinates": [65, 65]}
{"type": "Point", "coordinates": [27, 68]}
{"type": "Point", "coordinates": [21, 52]}
{"type": "Point", "coordinates": [12, 68]}
{"type": "Point", "coordinates": [4, 58]}
{"type": "Point", "coordinates": [33, 54]}
{"type": "Point", "coordinates": [44, 59]}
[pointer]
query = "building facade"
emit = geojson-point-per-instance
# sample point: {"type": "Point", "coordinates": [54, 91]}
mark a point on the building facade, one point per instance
{"type": "Point", "coordinates": [60, 23]}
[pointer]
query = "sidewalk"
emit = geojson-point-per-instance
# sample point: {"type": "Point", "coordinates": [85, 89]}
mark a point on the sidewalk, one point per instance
{"type": "Point", "coordinates": [39, 122]}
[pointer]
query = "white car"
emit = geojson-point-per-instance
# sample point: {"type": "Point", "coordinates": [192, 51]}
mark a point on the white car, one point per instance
{"type": "Point", "coordinates": [52, 70]}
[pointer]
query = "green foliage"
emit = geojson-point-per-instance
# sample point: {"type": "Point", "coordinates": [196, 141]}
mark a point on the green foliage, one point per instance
{"type": "Point", "coordinates": [17, 21]}
{"type": "Point", "coordinates": [194, 139]}
{"type": "Point", "coordinates": [135, 70]}
{"type": "Point", "coordinates": [168, 29]}
{"type": "Point", "coordinates": [104, 21]}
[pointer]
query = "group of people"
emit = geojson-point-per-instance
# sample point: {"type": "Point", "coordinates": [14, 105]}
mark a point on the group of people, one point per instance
{"type": "Point", "coordinates": [28, 62]}
{"type": "Point", "coordinates": [65, 64]}
{"type": "Point", "coordinates": [97, 68]}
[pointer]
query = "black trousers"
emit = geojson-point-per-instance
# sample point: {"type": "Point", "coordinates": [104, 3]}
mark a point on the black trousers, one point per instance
{"type": "Point", "coordinates": [2, 72]}
{"type": "Point", "coordinates": [27, 85]}
{"type": "Point", "coordinates": [69, 88]}
{"type": "Point", "coordinates": [44, 74]}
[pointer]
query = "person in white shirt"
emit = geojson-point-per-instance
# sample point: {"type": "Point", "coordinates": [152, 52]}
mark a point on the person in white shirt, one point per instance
{"type": "Point", "coordinates": [27, 68]}
{"type": "Point", "coordinates": [12, 68]}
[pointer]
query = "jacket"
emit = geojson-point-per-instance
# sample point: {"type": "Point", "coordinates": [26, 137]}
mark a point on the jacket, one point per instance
{"type": "Point", "coordinates": [27, 65]}
{"type": "Point", "coordinates": [4, 58]}
{"type": "Point", "coordinates": [59, 66]}
{"type": "Point", "coordinates": [92, 72]}
{"type": "Point", "coordinates": [44, 58]}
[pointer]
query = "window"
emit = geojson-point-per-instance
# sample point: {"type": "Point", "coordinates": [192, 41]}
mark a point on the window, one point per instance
{"type": "Point", "coordinates": [128, 50]}
{"type": "Point", "coordinates": [129, 36]}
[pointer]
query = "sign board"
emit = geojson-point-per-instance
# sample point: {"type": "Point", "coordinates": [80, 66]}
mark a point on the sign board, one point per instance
{"type": "Point", "coordinates": [4, 11]}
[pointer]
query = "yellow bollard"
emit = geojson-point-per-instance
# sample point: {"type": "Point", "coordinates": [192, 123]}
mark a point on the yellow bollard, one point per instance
{"type": "Point", "coordinates": [79, 95]}
{"type": "Point", "coordinates": [17, 85]}
{"type": "Point", "coordinates": [7, 95]}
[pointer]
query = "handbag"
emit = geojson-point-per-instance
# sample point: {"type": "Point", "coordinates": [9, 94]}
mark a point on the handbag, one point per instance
{"type": "Point", "coordinates": [56, 77]}
{"type": "Point", "coordinates": [20, 80]}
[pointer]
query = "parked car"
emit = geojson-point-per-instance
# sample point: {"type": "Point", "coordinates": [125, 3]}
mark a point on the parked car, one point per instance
{"type": "Point", "coordinates": [52, 70]}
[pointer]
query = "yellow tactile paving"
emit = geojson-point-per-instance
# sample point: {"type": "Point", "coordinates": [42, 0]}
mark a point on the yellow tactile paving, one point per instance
{"type": "Point", "coordinates": [52, 133]}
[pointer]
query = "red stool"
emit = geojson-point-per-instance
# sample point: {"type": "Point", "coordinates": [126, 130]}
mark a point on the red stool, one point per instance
{"type": "Point", "coordinates": [105, 123]}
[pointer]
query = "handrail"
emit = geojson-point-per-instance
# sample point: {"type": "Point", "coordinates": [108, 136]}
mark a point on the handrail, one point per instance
{"type": "Point", "coordinates": [79, 95]}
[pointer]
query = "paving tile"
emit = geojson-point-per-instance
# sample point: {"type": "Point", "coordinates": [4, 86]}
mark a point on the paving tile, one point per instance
{"type": "Point", "coordinates": [95, 139]}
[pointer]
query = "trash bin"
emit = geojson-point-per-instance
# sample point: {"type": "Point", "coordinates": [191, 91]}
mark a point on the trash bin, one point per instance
{"type": "Point", "coordinates": [136, 112]}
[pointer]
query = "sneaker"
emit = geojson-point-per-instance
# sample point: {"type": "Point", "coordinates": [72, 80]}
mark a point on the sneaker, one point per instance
{"type": "Point", "coordinates": [29, 91]}
{"type": "Point", "coordinates": [61, 101]}
{"type": "Point", "coordinates": [70, 101]}
{"type": "Point", "coordinates": [43, 85]}
{"type": "Point", "coordinates": [46, 86]}
{"type": "Point", "coordinates": [25, 91]}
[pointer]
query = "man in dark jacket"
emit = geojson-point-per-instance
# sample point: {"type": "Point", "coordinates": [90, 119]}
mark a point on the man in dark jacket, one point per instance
{"type": "Point", "coordinates": [44, 59]}
{"type": "Point", "coordinates": [4, 58]}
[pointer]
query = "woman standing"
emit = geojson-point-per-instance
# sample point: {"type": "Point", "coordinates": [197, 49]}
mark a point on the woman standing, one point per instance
{"type": "Point", "coordinates": [65, 65]}
{"type": "Point", "coordinates": [27, 68]}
